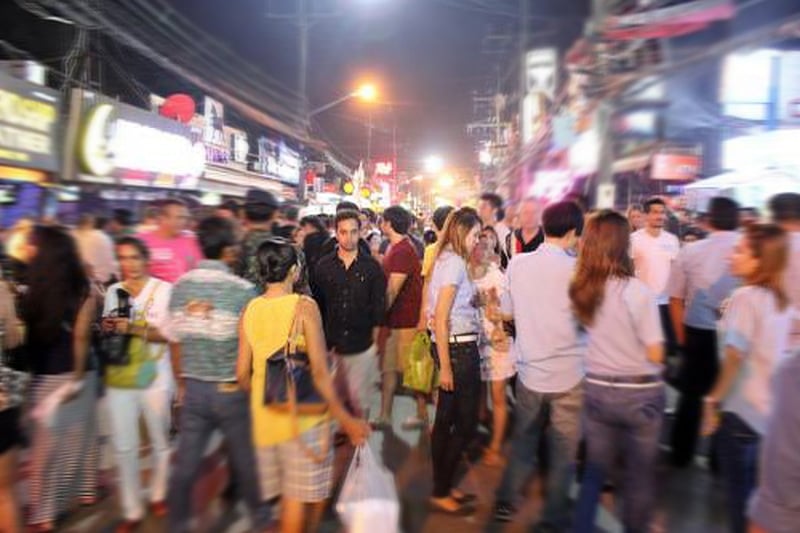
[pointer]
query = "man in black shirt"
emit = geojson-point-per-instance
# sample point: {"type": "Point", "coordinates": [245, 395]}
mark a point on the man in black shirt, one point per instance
{"type": "Point", "coordinates": [350, 288]}
{"type": "Point", "coordinates": [330, 244]}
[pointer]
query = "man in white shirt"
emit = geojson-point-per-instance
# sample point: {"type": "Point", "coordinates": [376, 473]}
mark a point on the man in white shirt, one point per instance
{"type": "Point", "coordinates": [490, 210]}
{"type": "Point", "coordinates": [653, 250]}
{"type": "Point", "coordinates": [785, 209]}
{"type": "Point", "coordinates": [96, 250]}
{"type": "Point", "coordinates": [548, 350]}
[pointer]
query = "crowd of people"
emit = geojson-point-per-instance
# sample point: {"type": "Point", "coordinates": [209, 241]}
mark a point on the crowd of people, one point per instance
{"type": "Point", "coordinates": [290, 336]}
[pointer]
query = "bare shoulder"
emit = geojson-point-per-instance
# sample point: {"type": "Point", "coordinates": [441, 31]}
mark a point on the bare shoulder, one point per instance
{"type": "Point", "coordinates": [308, 305]}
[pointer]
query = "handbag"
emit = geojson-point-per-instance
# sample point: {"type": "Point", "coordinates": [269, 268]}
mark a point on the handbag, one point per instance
{"type": "Point", "coordinates": [290, 384]}
{"type": "Point", "coordinates": [141, 368]}
{"type": "Point", "coordinates": [289, 387]}
{"type": "Point", "coordinates": [420, 370]}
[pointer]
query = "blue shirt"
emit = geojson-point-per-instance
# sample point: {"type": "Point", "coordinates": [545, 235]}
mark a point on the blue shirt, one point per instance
{"type": "Point", "coordinates": [548, 347]}
{"type": "Point", "coordinates": [625, 324]}
{"type": "Point", "coordinates": [775, 506]}
{"type": "Point", "coordinates": [451, 269]}
{"type": "Point", "coordinates": [701, 277]}
{"type": "Point", "coordinates": [208, 331]}
{"type": "Point", "coordinates": [759, 330]}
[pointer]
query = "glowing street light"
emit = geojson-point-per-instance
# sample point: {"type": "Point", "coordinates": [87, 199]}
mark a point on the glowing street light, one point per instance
{"type": "Point", "coordinates": [433, 164]}
{"type": "Point", "coordinates": [366, 92]}
{"type": "Point", "coordinates": [446, 181]}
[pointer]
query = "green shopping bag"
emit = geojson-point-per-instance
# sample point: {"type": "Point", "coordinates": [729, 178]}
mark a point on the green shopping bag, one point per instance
{"type": "Point", "coordinates": [420, 369]}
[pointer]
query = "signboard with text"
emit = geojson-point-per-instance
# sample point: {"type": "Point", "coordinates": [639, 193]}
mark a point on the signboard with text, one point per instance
{"type": "Point", "coordinates": [124, 145]}
{"type": "Point", "coordinates": [28, 119]}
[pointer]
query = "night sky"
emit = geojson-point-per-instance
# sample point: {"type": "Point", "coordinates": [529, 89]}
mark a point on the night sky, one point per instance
{"type": "Point", "coordinates": [424, 54]}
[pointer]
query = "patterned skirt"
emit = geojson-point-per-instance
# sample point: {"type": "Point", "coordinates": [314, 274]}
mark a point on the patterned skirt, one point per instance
{"type": "Point", "coordinates": [63, 458]}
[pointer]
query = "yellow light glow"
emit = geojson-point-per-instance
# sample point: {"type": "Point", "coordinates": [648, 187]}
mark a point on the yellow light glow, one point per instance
{"type": "Point", "coordinates": [367, 92]}
{"type": "Point", "coordinates": [446, 181]}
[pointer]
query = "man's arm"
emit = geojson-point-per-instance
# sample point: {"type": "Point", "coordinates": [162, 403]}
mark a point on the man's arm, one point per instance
{"type": "Point", "coordinates": [393, 287]}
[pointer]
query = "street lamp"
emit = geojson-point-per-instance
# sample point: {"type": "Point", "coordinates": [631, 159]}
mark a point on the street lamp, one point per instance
{"type": "Point", "coordinates": [433, 164]}
{"type": "Point", "coordinates": [366, 92]}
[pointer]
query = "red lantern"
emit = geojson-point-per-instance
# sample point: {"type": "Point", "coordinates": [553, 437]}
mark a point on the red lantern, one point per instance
{"type": "Point", "coordinates": [178, 107]}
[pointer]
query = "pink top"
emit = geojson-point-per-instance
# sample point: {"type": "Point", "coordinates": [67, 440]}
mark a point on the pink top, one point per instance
{"type": "Point", "coordinates": [171, 258]}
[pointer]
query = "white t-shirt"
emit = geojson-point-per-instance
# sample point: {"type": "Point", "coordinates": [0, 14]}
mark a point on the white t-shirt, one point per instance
{"type": "Point", "coordinates": [753, 324]}
{"type": "Point", "coordinates": [653, 257]}
{"type": "Point", "coordinates": [97, 249]}
{"type": "Point", "coordinates": [157, 316]}
{"type": "Point", "coordinates": [494, 279]}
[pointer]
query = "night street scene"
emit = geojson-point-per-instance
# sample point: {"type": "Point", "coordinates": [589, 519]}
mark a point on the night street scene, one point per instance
{"type": "Point", "coordinates": [400, 266]}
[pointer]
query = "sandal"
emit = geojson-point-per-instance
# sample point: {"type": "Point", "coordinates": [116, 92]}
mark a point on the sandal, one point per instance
{"type": "Point", "coordinates": [461, 510]}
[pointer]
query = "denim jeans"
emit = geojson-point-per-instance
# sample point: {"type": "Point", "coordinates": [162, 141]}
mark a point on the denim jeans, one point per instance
{"type": "Point", "coordinates": [738, 453]}
{"type": "Point", "coordinates": [621, 421]}
{"type": "Point", "coordinates": [556, 416]}
{"type": "Point", "coordinates": [209, 406]}
{"type": "Point", "coordinates": [456, 416]}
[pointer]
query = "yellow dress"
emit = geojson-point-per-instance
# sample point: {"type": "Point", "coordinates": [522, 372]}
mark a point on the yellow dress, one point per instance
{"type": "Point", "coordinates": [266, 323]}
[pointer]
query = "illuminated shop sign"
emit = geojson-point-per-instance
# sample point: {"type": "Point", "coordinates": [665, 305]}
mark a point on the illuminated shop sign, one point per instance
{"type": "Point", "coordinates": [277, 160]}
{"type": "Point", "coordinates": [124, 145]}
{"type": "Point", "coordinates": [28, 115]}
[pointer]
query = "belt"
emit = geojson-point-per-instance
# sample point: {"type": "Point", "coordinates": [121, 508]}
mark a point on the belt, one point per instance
{"type": "Point", "coordinates": [227, 386]}
{"type": "Point", "coordinates": [463, 338]}
{"type": "Point", "coordinates": [635, 382]}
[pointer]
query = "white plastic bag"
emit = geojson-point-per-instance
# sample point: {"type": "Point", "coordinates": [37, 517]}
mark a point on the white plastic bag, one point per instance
{"type": "Point", "coordinates": [368, 496]}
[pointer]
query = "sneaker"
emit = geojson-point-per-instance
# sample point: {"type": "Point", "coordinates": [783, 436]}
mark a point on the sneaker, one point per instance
{"type": "Point", "coordinates": [504, 512]}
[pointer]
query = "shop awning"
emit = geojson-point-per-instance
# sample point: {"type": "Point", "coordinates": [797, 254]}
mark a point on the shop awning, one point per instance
{"type": "Point", "coordinates": [221, 179]}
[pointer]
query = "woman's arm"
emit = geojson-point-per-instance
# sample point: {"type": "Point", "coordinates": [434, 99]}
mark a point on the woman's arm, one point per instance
{"type": "Point", "coordinates": [244, 363]}
{"type": "Point", "coordinates": [441, 322]}
{"type": "Point", "coordinates": [356, 429]}
{"type": "Point", "coordinates": [8, 315]}
{"type": "Point", "coordinates": [81, 336]}
{"type": "Point", "coordinates": [727, 376]}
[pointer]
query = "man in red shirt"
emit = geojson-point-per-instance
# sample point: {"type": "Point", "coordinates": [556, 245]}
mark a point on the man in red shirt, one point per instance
{"type": "Point", "coordinates": [403, 298]}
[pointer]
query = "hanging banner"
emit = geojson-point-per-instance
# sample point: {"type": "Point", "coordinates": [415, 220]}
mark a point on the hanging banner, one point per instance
{"type": "Point", "coordinates": [214, 115]}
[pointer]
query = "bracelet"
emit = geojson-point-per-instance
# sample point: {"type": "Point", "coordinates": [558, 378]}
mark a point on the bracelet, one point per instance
{"type": "Point", "coordinates": [711, 400]}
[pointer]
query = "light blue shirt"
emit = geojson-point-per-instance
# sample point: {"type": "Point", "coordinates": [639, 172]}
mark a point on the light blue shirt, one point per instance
{"type": "Point", "coordinates": [451, 269]}
{"type": "Point", "coordinates": [548, 347]}
{"type": "Point", "coordinates": [701, 277]}
{"type": "Point", "coordinates": [759, 330]}
{"type": "Point", "coordinates": [626, 323]}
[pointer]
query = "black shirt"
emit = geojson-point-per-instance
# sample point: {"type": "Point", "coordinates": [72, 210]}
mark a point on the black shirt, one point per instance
{"type": "Point", "coordinates": [518, 246]}
{"type": "Point", "coordinates": [352, 301]}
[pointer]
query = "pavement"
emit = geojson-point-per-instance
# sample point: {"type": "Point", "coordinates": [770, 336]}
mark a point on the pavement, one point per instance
{"type": "Point", "coordinates": [690, 500]}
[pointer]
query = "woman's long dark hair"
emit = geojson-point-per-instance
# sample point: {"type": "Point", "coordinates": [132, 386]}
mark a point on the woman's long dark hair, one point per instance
{"type": "Point", "coordinates": [604, 255]}
{"type": "Point", "coordinates": [58, 284]}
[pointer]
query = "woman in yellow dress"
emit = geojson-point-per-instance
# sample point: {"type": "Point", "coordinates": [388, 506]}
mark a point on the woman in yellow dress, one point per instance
{"type": "Point", "coordinates": [293, 449]}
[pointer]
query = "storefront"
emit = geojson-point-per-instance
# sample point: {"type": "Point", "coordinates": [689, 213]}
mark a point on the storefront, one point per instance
{"type": "Point", "coordinates": [29, 158]}
{"type": "Point", "coordinates": [124, 156]}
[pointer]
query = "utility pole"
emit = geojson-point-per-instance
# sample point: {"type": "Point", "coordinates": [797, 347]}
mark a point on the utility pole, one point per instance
{"type": "Point", "coordinates": [604, 186]}
{"type": "Point", "coordinates": [523, 49]}
{"type": "Point", "coordinates": [302, 74]}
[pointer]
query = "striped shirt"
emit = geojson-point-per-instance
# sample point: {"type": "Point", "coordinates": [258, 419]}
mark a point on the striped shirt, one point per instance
{"type": "Point", "coordinates": [205, 307]}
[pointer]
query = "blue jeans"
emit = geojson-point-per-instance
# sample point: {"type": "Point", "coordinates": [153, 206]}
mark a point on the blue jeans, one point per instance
{"type": "Point", "coordinates": [209, 406]}
{"type": "Point", "coordinates": [557, 416]}
{"type": "Point", "coordinates": [738, 453]}
{"type": "Point", "coordinates": [621, 421]}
